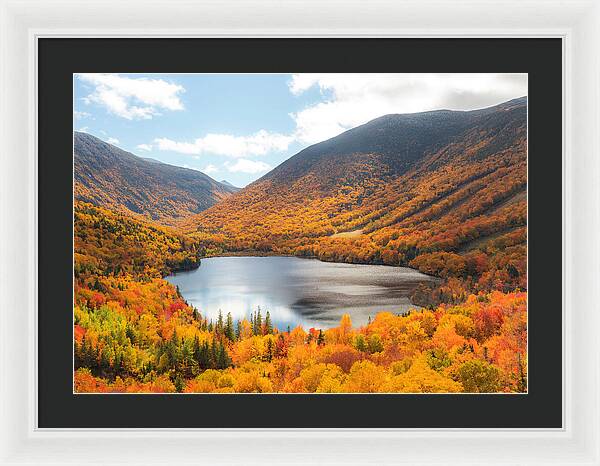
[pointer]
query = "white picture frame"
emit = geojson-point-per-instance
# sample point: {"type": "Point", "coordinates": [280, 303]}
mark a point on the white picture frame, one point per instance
{"type": "Point", "coordinates": [577, 22]}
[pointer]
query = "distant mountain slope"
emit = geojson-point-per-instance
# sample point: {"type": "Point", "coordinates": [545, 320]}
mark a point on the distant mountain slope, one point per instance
{"type": "Point", "coordinates": [442, 191]}
{"type": "Point", "coordinates": [227, 183]}
{"type": "Point", "coordinates": [110, 177]}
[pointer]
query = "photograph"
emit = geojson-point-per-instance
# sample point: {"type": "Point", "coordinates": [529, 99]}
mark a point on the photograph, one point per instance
{"type": "Point", "coordinates": [300, 233]}
{"type": "Point", "coordinates": [358, 235]}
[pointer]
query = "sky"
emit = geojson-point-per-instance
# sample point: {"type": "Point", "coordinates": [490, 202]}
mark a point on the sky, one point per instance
{"type": "Point", "coordinates": [237, 127]}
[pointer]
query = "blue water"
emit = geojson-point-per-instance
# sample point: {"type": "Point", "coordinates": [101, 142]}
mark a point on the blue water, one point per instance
{"type": "Point", "coordinates": [297, 291]}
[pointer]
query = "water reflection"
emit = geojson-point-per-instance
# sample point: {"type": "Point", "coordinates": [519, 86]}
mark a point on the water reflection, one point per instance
{"type": "Point", "coordinates": [297, 291]}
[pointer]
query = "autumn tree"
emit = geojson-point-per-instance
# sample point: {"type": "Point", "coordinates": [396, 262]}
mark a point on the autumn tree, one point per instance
{"type": "Point", "coordinates": [478, 376]}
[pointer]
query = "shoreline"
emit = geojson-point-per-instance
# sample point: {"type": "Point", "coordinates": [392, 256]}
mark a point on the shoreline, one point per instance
{"type": "Point", "coordinates": [273, 254]}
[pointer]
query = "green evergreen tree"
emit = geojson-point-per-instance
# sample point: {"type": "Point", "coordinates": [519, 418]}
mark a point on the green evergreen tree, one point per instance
{"type": "Point", "coordinates": [259, 324]}
{"type": "Point", "coordinates": [229, 331]}
{"type": "Point", "coordinates": [222, 358]}
{"type": "Point", "coordinates": [202, 357]}
{"type": "Point", "coordinates": [187, 359]}
{"type": "Point", "coordinates": [238, 330]}
{"type": "Point", "coordinates": [268, 324]}
{"type": "Point", "coordinates": [104, 362]}
{"type": "Point", "coordinates": [269, 350]}
{"type": "Point", "coordinates": [196, 349]}
{"type": "Point", "coordinates": [320, 338]}
{"type": "Point", "coordinates": [214, 354]}
{"type": "Point", "coordinates": [220, 325]}
{"type": "Point", "coordinates": [179, 383]}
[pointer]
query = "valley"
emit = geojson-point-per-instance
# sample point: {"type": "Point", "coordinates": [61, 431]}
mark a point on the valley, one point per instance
{"type": "Point", "coordinates": [352, 199]}
{"type": "Point", "coordinates": [443, 193]}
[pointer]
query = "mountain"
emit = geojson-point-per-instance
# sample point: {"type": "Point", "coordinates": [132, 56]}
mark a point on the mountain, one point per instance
{"type": "Point", "coordinates": [227, 183]}
{"type": "Point", "coordinates": [442, 191]}
{"type": "Point", "coordinates": [110, 177]}
{"type": "Point", "coordinates": [393, 143]}
{"type": "Point", "coordinates": [150, 159]}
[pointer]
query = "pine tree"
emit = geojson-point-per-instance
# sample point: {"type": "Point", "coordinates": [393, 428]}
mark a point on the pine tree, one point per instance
{"type": "Point", "coordinates": [214, 354]}
{"type": "Point", "coordinates": [219, 329]}
{"type": "Point", "coordinates": [259, 326]}
{"type": "Point", "coordinates": [229, 332]}
{"type": "Point", "coordinates": [104, 361]}
{"type": "Point", "coordinates": [268, 324]}
{"type": "Point", "coordinates": [222, 358]}
{"type": "Point", "coordinates": [203, 357]}
{"type": "Point", "coordinates": [269, 350]}
{"type": "Point", "coordinates": [320, 338]}
{"type": "Point", "coordinates": [187, 358]}
{"type": "Point", "coordinates": [179, 383]}
{"type": "Point", "coordinates": [238, 330]}
{"type": "Point", "coordinates": [196, 349]}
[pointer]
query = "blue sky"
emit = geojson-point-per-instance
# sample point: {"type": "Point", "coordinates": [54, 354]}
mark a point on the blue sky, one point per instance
{"type": "Point", "coordinates": [239, 126]}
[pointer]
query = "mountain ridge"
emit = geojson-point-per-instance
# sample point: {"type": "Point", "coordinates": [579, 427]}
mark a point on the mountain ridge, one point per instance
{"type": "Point", "coordinates": [108, 176]}
{"type": "Point", "coordinates": [408, 189]}
{"type": "Point", "coordinates": [345, 144]}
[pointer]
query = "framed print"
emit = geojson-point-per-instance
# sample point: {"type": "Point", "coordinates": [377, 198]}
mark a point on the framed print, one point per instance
{"type": "Point", "coordinates": [368, 261]}
{"type": "Point", "coordinates": [367, 241]}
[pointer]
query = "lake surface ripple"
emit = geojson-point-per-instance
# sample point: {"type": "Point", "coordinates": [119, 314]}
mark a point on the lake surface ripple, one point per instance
{"type": "Point", "coordinates": [297, 291]}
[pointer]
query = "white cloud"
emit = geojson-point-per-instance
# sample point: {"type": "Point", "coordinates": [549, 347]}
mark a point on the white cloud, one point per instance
{"type": "Point", "coordinates": [210, 168]}
{"type": "Point", "coordinates": [247, 166]}
{"type": "Point", "coordinates": [354, 99]}
{"type": "Point", "coordinates": [84, 129]}
{"type": "Point", "coordinates": [145, 147]}
{"type": "Point", "coordinates": [259, 143]}
{"type": "Point", "coordinates": [112, 141]}
{"type": "Point", "coordinates": [132, 98]}
{"type": "Point", "coordinates": [81, 115]}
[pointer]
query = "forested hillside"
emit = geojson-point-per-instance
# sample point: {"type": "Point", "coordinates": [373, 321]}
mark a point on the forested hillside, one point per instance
{"type": "Point", "coordinates": [110, 177]}
{"type": "Point", "coordinates": [135, 333]}
{"type": "Point", "coordinates": [444, 192]}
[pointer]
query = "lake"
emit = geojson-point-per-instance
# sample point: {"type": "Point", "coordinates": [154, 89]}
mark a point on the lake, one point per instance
{"type": "Point", "coordinates": [297, 291]}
